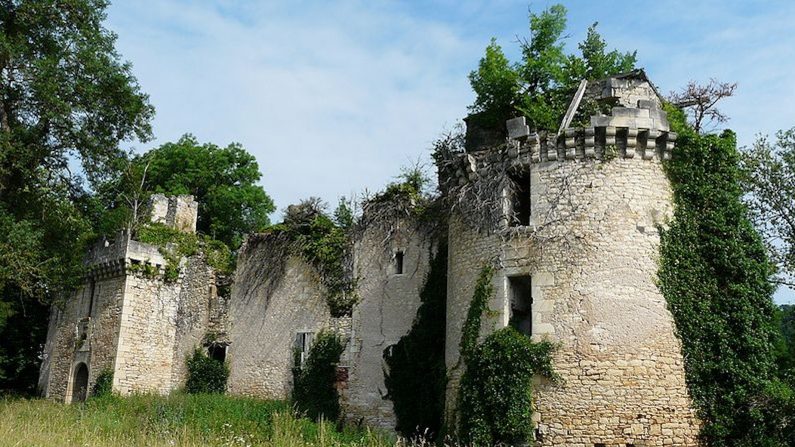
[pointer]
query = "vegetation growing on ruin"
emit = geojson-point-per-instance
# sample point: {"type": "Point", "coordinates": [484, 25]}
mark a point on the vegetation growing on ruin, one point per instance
{"type": "Point", "coordinates": [495, 398]}
{"type": "Point", "coordinates": [326, 246]}
{"type": "Point", "coordinates": [104, 383]}
{"type": "Point", "coordinates": [174, 245]}
{"type": "Point", "coordinates": [205, 374]}
{"type": "Point", "coordinates": [542, 84]}
{"type": "Point", "coordinates": [314, 383]}
{"type": "Point", "coordinates": [416, 376]}
{"type": "Point", "coordinates": [715, 276]}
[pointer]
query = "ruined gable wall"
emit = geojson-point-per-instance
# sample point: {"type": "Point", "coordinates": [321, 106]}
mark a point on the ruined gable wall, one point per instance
{"type": "Point", "coordinates": [593, 260]}
{"type": "Point", "coordinates": [387, 308]}
{"type": "Point", "coordinates": [266, 310]}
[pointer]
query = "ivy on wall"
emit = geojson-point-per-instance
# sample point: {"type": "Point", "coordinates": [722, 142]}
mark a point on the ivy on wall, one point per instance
{"type": "Point", "coordinates": [495, 398]}
{"type": "Point", "coordinates": [714, 274]}
{"type": "Point", "coordinates": [415, 376]}
{"type": "Point", "coordinates": [314, 390]}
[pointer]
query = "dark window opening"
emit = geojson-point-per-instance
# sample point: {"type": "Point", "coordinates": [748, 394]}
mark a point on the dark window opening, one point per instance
{"type": "Point", "coordinates": [599, 444]}
{"type": "Point", "coordinates": [399, 263]}
{"type": "Point", "coordinates": [303, 342]}
{"type": "Point", "coordinates": [217, 351]}
{"type": "Point", "coordinates": [519, 215]}
{"type": "Point", "coordinates": [521, 298]}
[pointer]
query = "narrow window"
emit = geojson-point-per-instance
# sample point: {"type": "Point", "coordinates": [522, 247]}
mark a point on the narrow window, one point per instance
{"type": "Point", "coordinates": [519, 215]}
{"type": "Point", "coordinates": [521, 317]}
{"type": "Point", "coordinates": [399, 263]}
{"type": "Point", "coordinates": [303, 342]}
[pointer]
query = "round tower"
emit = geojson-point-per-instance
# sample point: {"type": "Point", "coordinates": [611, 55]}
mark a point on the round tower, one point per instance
{"type": "Point", "coordinates": [571, 224]}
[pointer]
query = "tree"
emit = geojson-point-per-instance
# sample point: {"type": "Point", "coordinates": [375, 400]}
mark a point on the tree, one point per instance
{"type": "Point", "coordinates": [769, 181]}
{"type": "Point", "coordinates": [66, 99]}
{"type": "Point", "coordinates": [496, 85]}
{"type": "Point", "coordinates": [542, 85]}
{"type": "Point", "coordinates": [701, 100]}
{"type": "Point", "coordinates": [222, 180]}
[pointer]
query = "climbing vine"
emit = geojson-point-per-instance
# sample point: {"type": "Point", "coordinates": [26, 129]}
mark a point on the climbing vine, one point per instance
{"type": "Point", "coordinates": [310, 232]}
{"type": "Point", "coordinates": [415, 376]}
{"type": "Point", "coordinates": [495, 399]}
{"type": "Point", "coordinates": [174, 245]}
{"type": "Point", "coordinates": [714, 274]}
{"type": "Point", "coordinates": [314, 390]}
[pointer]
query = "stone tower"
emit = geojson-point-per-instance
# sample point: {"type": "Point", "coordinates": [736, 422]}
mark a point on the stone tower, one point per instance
{"type": "Point", "coordinates": [128, 319]}
{"type": "Point", "coordinates": [573, 234]}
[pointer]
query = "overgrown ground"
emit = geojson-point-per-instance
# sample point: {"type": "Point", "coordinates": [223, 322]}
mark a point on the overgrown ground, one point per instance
{"type": "Point", "coordinates": [178, 420]}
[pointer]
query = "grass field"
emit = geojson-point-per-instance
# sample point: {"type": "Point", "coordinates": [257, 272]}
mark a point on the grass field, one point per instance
{"type": "Point", "coordinates": [178, 420]}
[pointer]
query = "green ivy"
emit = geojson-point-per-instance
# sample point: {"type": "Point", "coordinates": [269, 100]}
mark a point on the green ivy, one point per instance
{"type": "Point", "coordinates": [205, 375]}
{"type": "Point", "coordinates": [314, 390]}
{"type": "Point", "coordinates": [415, 376]}
{"type": "Point", "coordinates": [103, 386]}
{"type": "Point", "coordinates": [714, 274]}
{"type": "Point", "coordinates": [326, 246]}
{"type": "Point", "coordinates": [480, 300]}
{"type": "Point", "coordinates": [495, 397]}
{"type": "Point", "coordinates": [174, 245]}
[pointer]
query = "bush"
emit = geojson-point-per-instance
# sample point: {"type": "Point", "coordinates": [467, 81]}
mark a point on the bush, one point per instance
{"type": "Point", "coordinates": [205, 375]}
{"type": "Point", "coordinates": [104, 384]}
{"type": "Point", "coordinates": [416, 376]}
{"type": "Point", "coordinates": [314, 390]}
{"type": "Point", "coordinates": [495, 399]}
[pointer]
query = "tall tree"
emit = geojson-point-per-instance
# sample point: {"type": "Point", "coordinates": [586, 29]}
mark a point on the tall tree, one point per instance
{"type": "Point", "coordinates": [769, 168]}
{"type": "Point", "coordinates": [543, 83]}
{"type": "Point", "coordinates": [223, 181]}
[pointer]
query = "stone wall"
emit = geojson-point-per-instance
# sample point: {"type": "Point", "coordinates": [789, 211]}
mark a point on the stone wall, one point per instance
{"type": "Point", "coordinates": [147, 336]}
{"type": "Point", "coordinates": [387, 308]}
{"type": "Point", "coordinates": [275, 295]}
{"type": "Point", "coordinates": [591, 250]}
{"type": "Point", "coordinates": [197, 297]}
{"type": "Point", "coordinates": [77, 316]}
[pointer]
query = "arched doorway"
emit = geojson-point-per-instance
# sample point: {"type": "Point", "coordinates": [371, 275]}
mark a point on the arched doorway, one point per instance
{"type": "Point", "coordinates": [80, 383]}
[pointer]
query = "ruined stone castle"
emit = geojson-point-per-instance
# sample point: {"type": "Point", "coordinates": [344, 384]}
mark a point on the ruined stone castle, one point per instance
{"type": "Point", "coordinates": [569, 221]}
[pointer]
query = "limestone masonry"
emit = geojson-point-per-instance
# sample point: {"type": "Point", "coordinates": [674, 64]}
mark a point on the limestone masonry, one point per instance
{"type": "Point", "coordinates": [569, 221]}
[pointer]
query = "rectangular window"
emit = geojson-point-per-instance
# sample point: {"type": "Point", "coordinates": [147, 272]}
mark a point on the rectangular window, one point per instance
{"type": "Point", "coordinates": [399, 263]}
{"type": "Point", "coordinates": [303, 342]}
{"type": "Point", "coordinates": [519, 291]}
{"type": "Point", "coordinates": [519, 215]}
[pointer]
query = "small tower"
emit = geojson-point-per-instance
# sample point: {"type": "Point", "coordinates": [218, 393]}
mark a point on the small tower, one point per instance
{"type": "Point", "coordinates": [177, 212]}
{"type": "Point", "coordinates": [570, 222]}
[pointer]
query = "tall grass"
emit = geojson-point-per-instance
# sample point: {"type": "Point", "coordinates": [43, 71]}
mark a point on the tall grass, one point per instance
{"type": "Point", "coordinates": [177, 420]}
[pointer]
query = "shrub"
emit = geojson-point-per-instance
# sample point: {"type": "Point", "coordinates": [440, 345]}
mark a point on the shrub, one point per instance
{"type": "Point", "coordinates": [495, 399]}
{"type": "Point", "coordinates": [205, 375]}
{"type": "Point", "coordinates": [416, 376]}
{"type": "Point", "coordinates": [314, 390]}
{"type": "Point", "coordinates": [104, 384]}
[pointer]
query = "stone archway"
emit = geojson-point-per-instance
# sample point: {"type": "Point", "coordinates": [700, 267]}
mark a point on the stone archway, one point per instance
{"type": "Point", "coordinates": [80, 383]}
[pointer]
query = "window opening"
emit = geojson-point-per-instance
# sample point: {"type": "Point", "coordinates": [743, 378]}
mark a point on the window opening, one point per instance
{"type": "Point", "coordinates": [217, 351]}
{"type": "Point", "coordinates": [303, 342]}
{"type": "Point", "coordinates": [521, 298]}
{"type": "Point", "coordinates": [399, 263]}
{"type": "Point", "coordinates": [520, 200]}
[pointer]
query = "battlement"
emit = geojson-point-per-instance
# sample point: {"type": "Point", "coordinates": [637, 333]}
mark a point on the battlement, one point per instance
{"type": "Point", "coordinates": [113, 257]}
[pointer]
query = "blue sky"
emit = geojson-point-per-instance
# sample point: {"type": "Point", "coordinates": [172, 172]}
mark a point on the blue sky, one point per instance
{"type": "Point", "coordinates": [334, 97]}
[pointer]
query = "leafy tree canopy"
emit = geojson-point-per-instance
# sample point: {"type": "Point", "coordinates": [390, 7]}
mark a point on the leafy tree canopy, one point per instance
{"type": "Point", "coordinates": [67, 100]}
{"type": "Point", "coordinates": [223, 181]}
{"type": "Point", "coordinates": [541, 85]}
